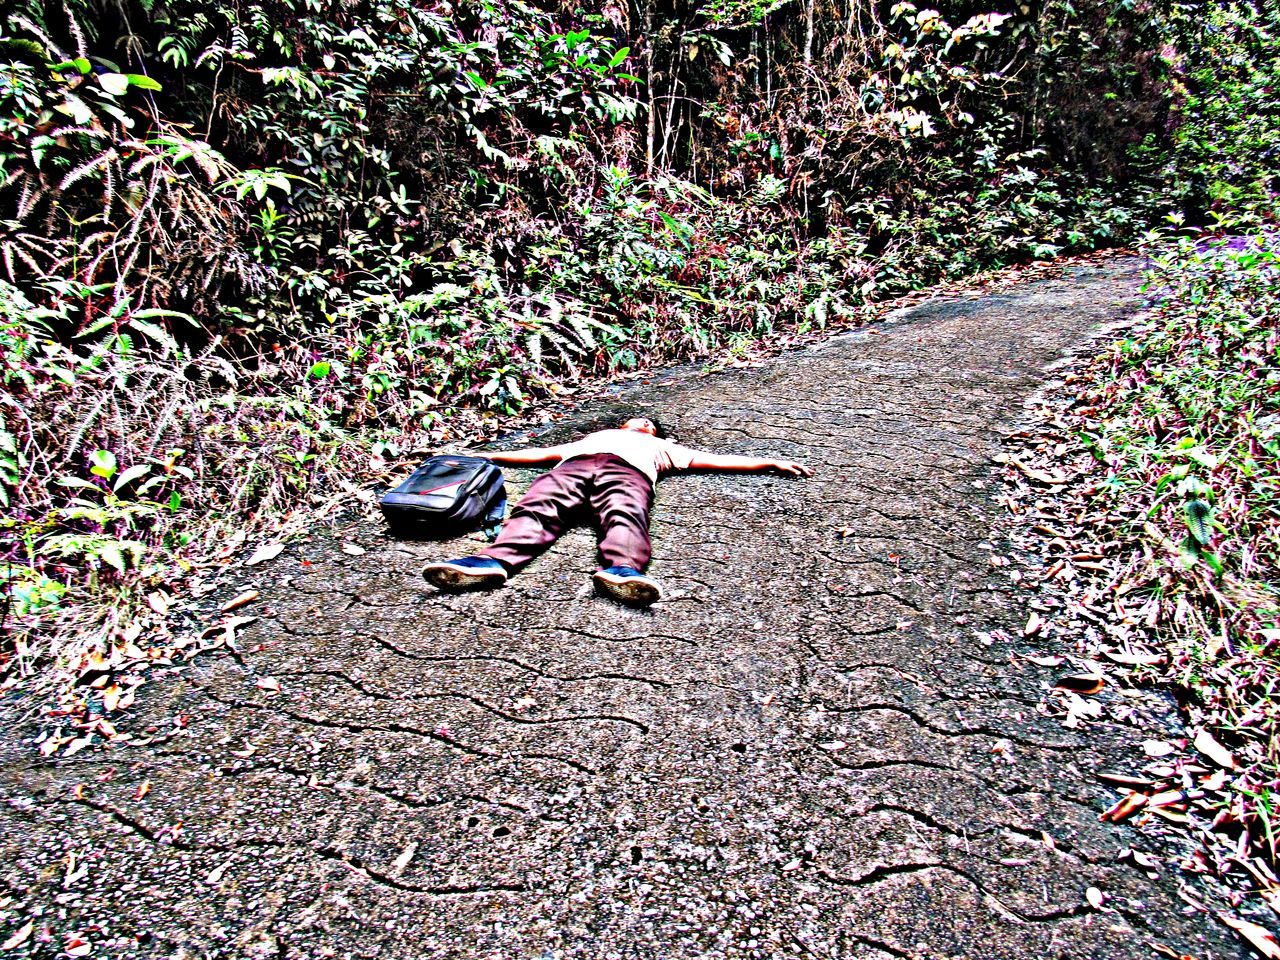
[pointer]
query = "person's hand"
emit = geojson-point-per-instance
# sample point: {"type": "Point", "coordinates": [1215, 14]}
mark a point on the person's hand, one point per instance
{"type": "Point", "coordinates": [792, 469]}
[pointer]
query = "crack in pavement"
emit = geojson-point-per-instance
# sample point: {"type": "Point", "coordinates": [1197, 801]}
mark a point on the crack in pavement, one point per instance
{"type": "Point", "coordinates": [823, 745]}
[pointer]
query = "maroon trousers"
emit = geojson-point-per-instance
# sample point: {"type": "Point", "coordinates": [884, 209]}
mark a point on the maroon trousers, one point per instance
{"type": "Point", "coordinates": [603, 489]}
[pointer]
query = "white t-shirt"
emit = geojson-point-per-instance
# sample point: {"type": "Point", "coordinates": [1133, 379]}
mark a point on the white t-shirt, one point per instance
{"type": "Point", "coordinates": [648, 454]}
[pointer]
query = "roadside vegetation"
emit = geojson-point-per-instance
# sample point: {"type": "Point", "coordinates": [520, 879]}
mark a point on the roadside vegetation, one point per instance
{"type": "Point", "coordinates": [1163, 459]}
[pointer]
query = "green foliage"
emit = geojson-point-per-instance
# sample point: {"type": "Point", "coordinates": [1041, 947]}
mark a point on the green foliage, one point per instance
{"type": "Point", "coordinates": [1225, 154]}
{"type": "Point", "coordinates": [1191, 416]}
{"type": "Point", "coordinates": [250, 244]}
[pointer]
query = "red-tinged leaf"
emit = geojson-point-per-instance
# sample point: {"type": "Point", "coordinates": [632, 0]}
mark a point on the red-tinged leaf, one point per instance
{"type": "Point", "coordinates": [1208, 745]}
{"type": "Point", "coordinates": [143, 790]}
{"type": "Point", "coordinates": [1125, 808]}
{"type": "Point", "coordinates": [1260, 938]}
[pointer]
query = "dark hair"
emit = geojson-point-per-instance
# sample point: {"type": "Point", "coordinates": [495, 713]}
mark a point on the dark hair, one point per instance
{"type": "Point", "coordinates": [613, 420]}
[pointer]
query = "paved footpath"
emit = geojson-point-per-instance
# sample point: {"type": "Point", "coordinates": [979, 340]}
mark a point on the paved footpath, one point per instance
{"type": "Point", "coordinates": [812, 749]}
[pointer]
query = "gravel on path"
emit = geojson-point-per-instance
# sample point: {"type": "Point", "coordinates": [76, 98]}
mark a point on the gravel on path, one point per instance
{"type": "Point", "coordinates": [815, 747]}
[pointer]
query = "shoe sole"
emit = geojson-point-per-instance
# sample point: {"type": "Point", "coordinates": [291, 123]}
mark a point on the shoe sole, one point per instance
{"type": "Point", "coordinates": [634, 591]}
{"type": "Point", "coordinates": [448, 577]}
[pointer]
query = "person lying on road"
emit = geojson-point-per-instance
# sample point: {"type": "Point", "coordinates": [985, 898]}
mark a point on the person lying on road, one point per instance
{"type": "Point", "coordinates": [608, 476]}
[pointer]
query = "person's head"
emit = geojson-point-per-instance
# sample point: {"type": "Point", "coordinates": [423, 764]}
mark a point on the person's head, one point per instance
{"type": "Point", "coordinates": [641, 425]}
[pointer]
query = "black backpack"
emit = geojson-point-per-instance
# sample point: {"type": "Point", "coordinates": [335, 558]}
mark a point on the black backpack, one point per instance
{"type": "Point", "coordinates": [448, 495]}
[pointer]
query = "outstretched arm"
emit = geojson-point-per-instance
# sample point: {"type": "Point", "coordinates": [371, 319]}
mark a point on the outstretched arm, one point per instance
{"type": "Point", "coordinates": [732, 463]}
{"type": "Point", "coordinates": [532, 457]}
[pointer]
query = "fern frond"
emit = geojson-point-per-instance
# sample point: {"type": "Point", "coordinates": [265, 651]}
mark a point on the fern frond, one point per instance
{"type": "Point", "coordinates": [52, 48]}
{"type": "Point", "coordinates": [78, 130]}
{"type": "Point", "coordinates": [82, 47]}
{"type": "Point", "coordinates": [207, 164]}
{"type": "Point", "coordinates": [82, 171]}
{"type": "Point", "coordinates": [31, 193]}
{"type": "Point", "coordinates": [583, 331]}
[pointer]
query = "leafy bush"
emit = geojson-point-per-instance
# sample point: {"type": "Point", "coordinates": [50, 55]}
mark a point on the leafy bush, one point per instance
{"type": "Point", "coordinates": [1191, 417]}
{"type": "Point", "coordinates": [1225, 151]}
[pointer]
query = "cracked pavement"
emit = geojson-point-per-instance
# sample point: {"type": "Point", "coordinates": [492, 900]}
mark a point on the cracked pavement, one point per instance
{"type": "Point", "coordinates": [814, 748]}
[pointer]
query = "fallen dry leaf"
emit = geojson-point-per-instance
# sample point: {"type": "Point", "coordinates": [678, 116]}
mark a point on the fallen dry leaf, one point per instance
{"type": "Point", "coordinates": [353, 550]}
{"type": "Point", "coordinates": [402, 861]}
{"type": "Point", "coordinates": [243, 600]}
{"type": "Point", "coordinates": [1124, 780]}
{"type": "Point", "coordinates": [269, 684]}
{"type": "Point", "coordinates": [1085, 683]}
{"type": "Point", "coordinates": [268, 551]}
{"type": "Point", "coordinates": [228, 630]}
{"type": "Point", "coordinates": [1125, 808]}
{"type": "Point", "coordinates": [1168, 798]}
{"type": "Point", "coordinates": [1034, 625]}
{"type": "Point", "coordinates": [143, 789]}
{"type": "Point", "coordinates": [1096, 898]}
{"type": "Point", "coordinates": [76, 746]}
{"type": "Point", "coordinates": [1039, 476]}
{"type": "Point", "coordinates": [111, 698]}
{"type": "Point", "coordinates": [1049, 661]}
{"type": "Point", "coordinates": [1135, 659]}
{"type": "Point", "coordinates": [1260, 938]}
{"type": "Point", "coordinates": [20, 936]}
{"type": "Point", "coordinates": [159, 602]}
{"type": "Point", "coordinates": [1158, 748]}
{"type": "Point", "coordinates": [1207, 744]}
